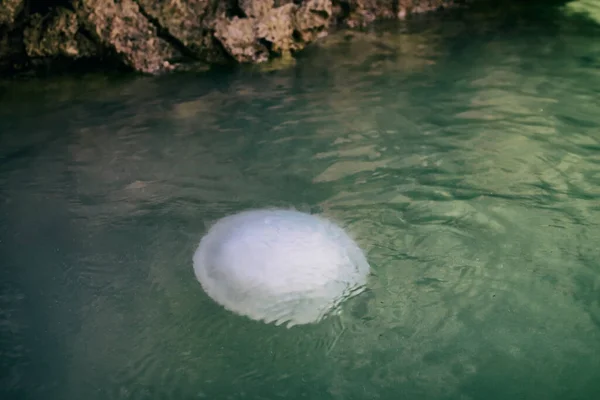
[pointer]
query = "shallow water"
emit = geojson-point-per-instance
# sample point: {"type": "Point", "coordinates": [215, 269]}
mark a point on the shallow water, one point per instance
{"type": "Point", "coordinates": [462, 152]}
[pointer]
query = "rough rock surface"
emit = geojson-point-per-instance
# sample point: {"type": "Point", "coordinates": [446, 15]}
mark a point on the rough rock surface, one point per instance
{"type": "Point", "coordinates": [9, 9]}
{"type": "Point", "coordinates": [57, 34]}
{"type": "Point", "coordinates": [121, 27]}
{"type": "Point", "coordinates": [239, 39]}
{"type": "Point", "coordinates": [153, 36]}
{"type": "Point", "coordinates": [186, 22]}
{"type": "Point", "coordinates": [256, 9]}
{"type": "Point", "coordinates": [359, 13]}
{"type": "Point", "coordinates": [313, 19]}
{"type": "Point", "coordinates": [11, 49]}
{"type": "Point", "coordinates": [273, 30]}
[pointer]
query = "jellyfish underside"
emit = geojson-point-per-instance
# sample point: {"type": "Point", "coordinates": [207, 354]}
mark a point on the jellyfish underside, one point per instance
{"type": "Point", "coordinates": [279, 266]}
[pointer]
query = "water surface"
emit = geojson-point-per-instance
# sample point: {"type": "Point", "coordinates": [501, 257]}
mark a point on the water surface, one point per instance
{"type": "Point", "coordinates": [462, 152]}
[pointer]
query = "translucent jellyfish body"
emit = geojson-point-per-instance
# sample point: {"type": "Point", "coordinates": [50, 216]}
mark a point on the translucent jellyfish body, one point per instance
{"type": "Point", "coordinates": [279, 266]}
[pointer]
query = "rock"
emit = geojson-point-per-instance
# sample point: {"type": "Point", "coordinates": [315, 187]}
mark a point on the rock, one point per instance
{"type": "Point", "coordinates": [153, 36]}
{"type": "Point", "coordinates": [57, 34]}
{"type": "Point", "coordinates": [238, 37]}
{"type": "Point", "coordinates": [9, 9]}
{"type": "Point", "coordinates": [277, 30]}
{"type": "Point", "coordinates": [586, 8]}
{"type": "Point", "coordinates": [121, 27]}
{"type": "Point", "coordinates": [188, 22]}
{"type": "Point", "coordinates": [253, 39]}
{"type": "Point", "coordinates": [359, 13]}
{"type": "Point", "coordinates": [286, 61]}
{"type": "Point", "coordinates": [407, 7]}
{"type": "Point", "coordinates": [276, 27]}
{"type": "Point", "coordinates": [312, 19]}
{"type": "Point", "coordinates": [256, 8]}
{"type": "Point", "coordinates": [4, 46]}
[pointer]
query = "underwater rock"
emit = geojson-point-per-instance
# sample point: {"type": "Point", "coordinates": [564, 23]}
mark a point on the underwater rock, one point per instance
{"type": "Point", "coordinates": [588, 8]}
{"type": "Point", "coordinates": [408, 7]}
{"type": "Point", "coordinates": [360, 13]}
{"type": "Point", "coordinates": [279, 266]}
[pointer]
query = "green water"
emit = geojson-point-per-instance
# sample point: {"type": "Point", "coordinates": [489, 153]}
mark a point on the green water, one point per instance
{"type": "Point", "coordinates": [461, 151]}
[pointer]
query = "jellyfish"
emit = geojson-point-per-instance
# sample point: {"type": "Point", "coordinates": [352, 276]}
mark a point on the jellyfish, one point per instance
{"type": "Point", "coordinates": [280, 266]}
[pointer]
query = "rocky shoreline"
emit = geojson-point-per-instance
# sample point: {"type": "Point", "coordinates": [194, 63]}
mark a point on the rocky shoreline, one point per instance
{"type": "Point", "coordinates": [153, 37]}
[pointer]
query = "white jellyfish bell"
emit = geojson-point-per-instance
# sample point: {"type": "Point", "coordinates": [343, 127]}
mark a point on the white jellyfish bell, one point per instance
{"type": "Point", "coordinates": [279, 266]}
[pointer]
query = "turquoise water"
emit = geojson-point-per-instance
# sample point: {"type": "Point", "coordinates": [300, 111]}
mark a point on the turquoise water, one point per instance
{"type": "Point", "coordinates": [461, 151]}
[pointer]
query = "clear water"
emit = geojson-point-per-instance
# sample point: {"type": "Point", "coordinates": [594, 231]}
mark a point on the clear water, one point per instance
{"type": "Point", "coordinates": [461, 151]}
